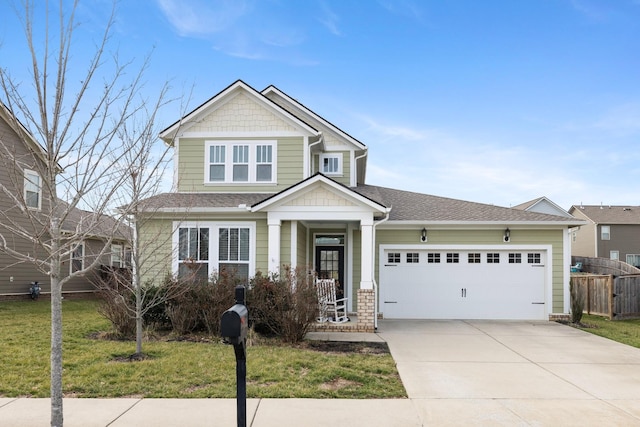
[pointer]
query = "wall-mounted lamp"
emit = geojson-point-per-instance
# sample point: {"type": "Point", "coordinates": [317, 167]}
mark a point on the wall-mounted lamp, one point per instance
{"type": "Point", "coordinates": [507, 235]}
{"type": "Point", "coordinates": [423, 235]}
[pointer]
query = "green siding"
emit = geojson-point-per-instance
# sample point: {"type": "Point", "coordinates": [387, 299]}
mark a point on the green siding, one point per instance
{"type": "Point", "coordinates": [192, 167]}
{"type": "Point", "coordinates": [346, 167]}
{"type": "Point", "coordinates": [155, 240]}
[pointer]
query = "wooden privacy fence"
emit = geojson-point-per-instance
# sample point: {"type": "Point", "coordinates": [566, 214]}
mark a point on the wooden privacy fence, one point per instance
{"type": "Point", "coordinates": [607, 295]}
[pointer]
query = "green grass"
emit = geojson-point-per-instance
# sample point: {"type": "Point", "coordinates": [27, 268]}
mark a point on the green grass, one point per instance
{"type": "Point", "coordinates": [624, 331]}
{"type": "Point", "coordinates": [175, 369]}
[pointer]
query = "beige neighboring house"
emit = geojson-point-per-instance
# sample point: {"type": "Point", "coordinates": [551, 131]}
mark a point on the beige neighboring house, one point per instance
{"type": "Point", "coordinates": [610, 232]}
{"type": "Point", "coordinates": [22, 179]}
{"type": "Point", "coordinates": [262, 182]}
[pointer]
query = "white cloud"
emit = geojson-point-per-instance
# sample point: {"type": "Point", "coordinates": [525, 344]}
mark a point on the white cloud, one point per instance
{"type": "Point", "coordinates": [329, 19]}
{"type": "Point", "coordinates": [200, 18]}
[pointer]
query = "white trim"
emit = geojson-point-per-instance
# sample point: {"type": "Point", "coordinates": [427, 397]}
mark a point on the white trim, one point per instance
{"type": "Point", "coordinates": [338, 156]}
{"type": "Point", "coordinates": [213, 227]}
{"type": "Point", "coordinates": [246, 134]}
{"type": "Point", "coordinates": [30, 181]}
{"type": "Point", "coordinates": [251, 164]}
{"type": "Point", "coordinates": [566, 271]}
{"type": "Point", "coordinates": [294, 244]}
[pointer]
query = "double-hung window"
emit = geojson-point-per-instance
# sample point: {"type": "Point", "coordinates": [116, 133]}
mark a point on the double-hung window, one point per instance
{"type": "Point", "coordinates": [233, 251]}
{"type": "Point", "coordinates": [193, 253]}
{"type": "Point", "coordinates": [243, 162]}
{"type": "Point", "coordinates": [77, 258]}
{"type": "Point", "coordinates": [116, 256]}
{"type": "Point", "coordinates": [32, 189]}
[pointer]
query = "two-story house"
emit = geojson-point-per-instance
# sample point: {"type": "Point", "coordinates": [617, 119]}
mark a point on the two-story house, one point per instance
{"type": "Point", "coordinates": [21, 185]}
{"type": "Point", "coordinates": [261, 182]}
{"type": "Point", "coordinates": [609, 232]}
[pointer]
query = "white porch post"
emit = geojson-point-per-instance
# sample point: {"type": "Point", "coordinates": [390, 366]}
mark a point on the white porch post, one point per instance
{"type": "Point", "coordinates": [274, 245]}
{"type": "Point", "coordinates": [366, 246]}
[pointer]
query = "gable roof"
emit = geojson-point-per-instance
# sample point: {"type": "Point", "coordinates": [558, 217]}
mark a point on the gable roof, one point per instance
{"type": "Point", "coordinates": [600, 214]}
{"type": "Point", "coordinates": [169, 133]}
{"type": "Point", "coordinates": [542, 205]}
{"type": "Point", "coordinates": [294, 103]}
{"type": "Point", "coordinates": [22, 132]}
{"type": "Point", "coordinates": [319, 178]}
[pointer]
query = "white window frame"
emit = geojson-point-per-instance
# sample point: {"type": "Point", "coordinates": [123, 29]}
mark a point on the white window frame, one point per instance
{"type": "Point", "coordinates": [614, 255]}
{"type": "Point", "coordinates": [337, 157]}
{"type": "Point", "coordinates": [74, 258]}
{"type": "Point", "coordinates": [251, 161]}
{"type": "Point", "coordinates": [630, 258]}
{"type": "Point", "coordinates": [117, 249]}
{"type": "Point", "coordinates": [214, 250]}
{"type": "Point", "coordinates": [605, 232]}
{"type": "Point", "coordinates": [29, 181]}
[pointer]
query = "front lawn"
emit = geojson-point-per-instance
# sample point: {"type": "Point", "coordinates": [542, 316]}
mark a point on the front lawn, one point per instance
{"type": "Point", "coordinates": [624, 331]}
{"type": "Point", "coordinates": [175, 369]}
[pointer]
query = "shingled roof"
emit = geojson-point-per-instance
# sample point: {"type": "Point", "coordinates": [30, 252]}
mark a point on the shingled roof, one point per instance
{"type": "Point", "coordinates": [600, 214]}
{"type": "Point", "coordinates": [406, 206]}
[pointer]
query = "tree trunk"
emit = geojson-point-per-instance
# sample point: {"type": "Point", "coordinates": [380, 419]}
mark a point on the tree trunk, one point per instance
{"type": "Point", "coordinates": [56, 353]}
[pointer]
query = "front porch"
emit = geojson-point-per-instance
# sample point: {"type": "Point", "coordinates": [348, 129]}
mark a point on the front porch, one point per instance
{"type": "Point", "coordinates": [363, 321]}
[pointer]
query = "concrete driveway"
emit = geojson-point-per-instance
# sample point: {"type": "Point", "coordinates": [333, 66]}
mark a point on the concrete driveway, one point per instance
{"type": "Point", "coordinates": [514, 373]}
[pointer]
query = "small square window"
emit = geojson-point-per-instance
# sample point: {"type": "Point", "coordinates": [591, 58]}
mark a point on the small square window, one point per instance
{"type": "Point", "coordinates": [515, 258]}
{"type": "Point", "coordinates": [393, 258]}
{"type": "Point", "coordinates": [493, 258]}
{"type": "Point", "coordinates": [605, 232]}
{"type": "Point", "coordinates": [533, 258]}
{"type": "Point", "coordinates": [474, 258]}
{"type": "Point", "coordinates": [413, 258]}
{"type": "Point", "coordinates": [433, 258]}
{"type": "Point", "coordinates": [331, 164]}
{"type": "Point", "coordinates": [453, 258]}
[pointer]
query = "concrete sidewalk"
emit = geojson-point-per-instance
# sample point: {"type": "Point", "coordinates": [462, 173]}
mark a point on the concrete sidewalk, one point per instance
{"type": "Point", "coordinates": [456, 373]}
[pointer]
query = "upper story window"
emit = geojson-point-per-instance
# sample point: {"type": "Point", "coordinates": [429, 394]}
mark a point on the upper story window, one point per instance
{"type": "Point", "coordinates": [240, 162]}
{"type": "Point", "coordinates": [331, 164]}
{"type": "Point", "coordinates": [605, 232]}
{"type": "Point", "coordinates": [32, 189]}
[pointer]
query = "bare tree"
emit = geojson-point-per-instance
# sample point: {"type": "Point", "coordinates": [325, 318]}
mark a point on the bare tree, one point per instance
{"type": "Point", "coordinates": [77, 120]}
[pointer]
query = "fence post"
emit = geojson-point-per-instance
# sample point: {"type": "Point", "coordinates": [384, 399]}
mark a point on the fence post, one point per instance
{"type": "Point", "coordinates": [588, 281]}
{"type": "Point", "coordinates": [611, 304]}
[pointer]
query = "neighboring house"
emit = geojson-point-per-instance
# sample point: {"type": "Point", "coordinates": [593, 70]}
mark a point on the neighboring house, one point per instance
{"type": "Point", "coordinates": [543, 205]}
{"type": "Point", "coordinates": [610, 232]}
{"type": "Point", "coordinates": [22, 180]}
{"type": "Point", "coordinates": [262, 182]}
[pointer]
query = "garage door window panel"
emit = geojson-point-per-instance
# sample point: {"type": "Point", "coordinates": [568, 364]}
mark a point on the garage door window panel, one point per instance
{"type": "Point", "coordinates": [413, 258]}
{"type": "Point", "coordinates": [493, 258]}
{"type": "Point", "coordinates": [453, 258]}
{"type": "Point", "coordinates": [393, 258]}
{"type": "Point", "coordinates": [533, 258]}
{"type": "Point", "coordinates": [433, 258]}
{"type": "Point", "coordinates": [474, 258]}
{"type": "Point", "coordinates": [515, 258]}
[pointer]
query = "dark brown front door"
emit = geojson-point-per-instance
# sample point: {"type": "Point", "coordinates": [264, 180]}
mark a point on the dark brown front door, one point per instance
{"type": "Point", "coordinates": [330, 265]}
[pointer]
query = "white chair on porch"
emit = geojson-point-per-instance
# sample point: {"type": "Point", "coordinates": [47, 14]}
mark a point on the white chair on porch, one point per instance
{"type": "Point", "coordinates": [330, 308]}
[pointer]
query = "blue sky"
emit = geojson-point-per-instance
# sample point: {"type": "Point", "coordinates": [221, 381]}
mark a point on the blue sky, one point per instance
{"type": "Point", "coordinates": [491, 101]}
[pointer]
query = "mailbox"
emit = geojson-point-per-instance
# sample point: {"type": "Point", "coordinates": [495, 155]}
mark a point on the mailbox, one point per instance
{"type": "Point", "coordinates": [234, 324]}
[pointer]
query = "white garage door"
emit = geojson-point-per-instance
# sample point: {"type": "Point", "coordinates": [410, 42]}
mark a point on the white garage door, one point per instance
{"type": "Point", "coordinates": [463, 284]}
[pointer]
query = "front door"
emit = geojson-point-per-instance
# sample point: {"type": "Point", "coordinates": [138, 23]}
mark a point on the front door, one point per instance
{"type": "Point", "coordinates": [330, 265]}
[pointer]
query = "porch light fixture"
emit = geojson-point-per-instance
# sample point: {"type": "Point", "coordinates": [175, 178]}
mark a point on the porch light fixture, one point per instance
{"type": "Point", "coordinates": [423, 235]}
{"type": "Point", "coordinates": [507, 235]}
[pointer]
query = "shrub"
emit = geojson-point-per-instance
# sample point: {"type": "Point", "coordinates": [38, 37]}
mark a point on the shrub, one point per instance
{"type": "Point", "coordinates": [284, 306]}
{"type": "Point", "coordinates": [577, 302]}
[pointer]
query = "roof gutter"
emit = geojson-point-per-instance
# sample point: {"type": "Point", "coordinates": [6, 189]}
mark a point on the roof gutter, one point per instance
{"type": "Point", "coordinates": [320, 140]}
{"type": "Point", "coordinates": [355, 162]}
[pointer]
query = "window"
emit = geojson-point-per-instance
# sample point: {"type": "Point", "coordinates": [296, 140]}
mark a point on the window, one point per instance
{"type": "Point", "coordinates": [474, 258]}
{"type": "Point", "coordinates": [413, 258]}
{"type": "Point", "coordinates": [216, 162]}
{"type": "Point", "coordinates": [515, 258]}
{"type": "Point", "coordinates": [193, 253]}
{"type": "Point", "coordinates": [533, 259]}
{"type": "Point", "coordinates": [605, 232]}
{"type": "Point", "coordinates": [32, 189]}
{"type": "Point", "coordinates": [433, 258]}
{"type": "Point", "coordinates": [453, 258]}
{"type": "Point", "coordinates": [264, 159]}
{"type": "Point", "coordinates": [633, 259]}
{"type": "Point", "coordinates": [393, 258]}
{"type": "Point", "coordinates": [116, 256]}
{"type": "Point", "coordinates": [331, 164]}
{"type": "Point", "coordinates": [614, 255]}
{"type": "Point", "coordinates": [240, 162]}
{"type": "Point", "coordinates": [77, 258]}
{"type": "Point", "coordinates": [493, 258]}
{"type": "Point", "coordinates": [233, 251]}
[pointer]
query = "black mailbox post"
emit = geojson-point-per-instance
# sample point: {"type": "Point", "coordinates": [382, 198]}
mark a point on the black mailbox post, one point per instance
{"type": "Point", "coordinates": [233, 328]}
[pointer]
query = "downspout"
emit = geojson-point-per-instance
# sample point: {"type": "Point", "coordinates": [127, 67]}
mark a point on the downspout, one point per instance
{"type": "Point", "coordinates": [373, 273]}
{"type": "Point", "coordinates": [321, 139]}
{"type": "Point", "coordinates": [355, 164]}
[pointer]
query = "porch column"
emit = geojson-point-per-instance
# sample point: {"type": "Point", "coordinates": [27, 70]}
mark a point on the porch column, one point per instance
{"type": "Point", "coordinates": [366, 258]}
{"type": "Point", "coordinates": [274, 245]}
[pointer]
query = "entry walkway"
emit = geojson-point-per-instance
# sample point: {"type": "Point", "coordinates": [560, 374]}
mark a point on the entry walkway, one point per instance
{"type": "Point", "coordinates": [457, 373]}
